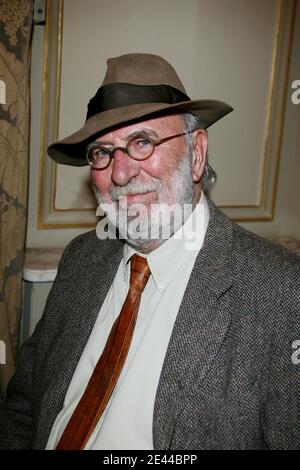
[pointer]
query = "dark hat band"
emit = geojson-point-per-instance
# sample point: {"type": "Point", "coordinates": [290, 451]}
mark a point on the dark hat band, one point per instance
{"type": "Point", "coordinates": [116, 95]}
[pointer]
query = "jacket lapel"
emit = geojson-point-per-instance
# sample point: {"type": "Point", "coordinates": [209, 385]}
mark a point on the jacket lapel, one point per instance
{"type": "Point", "coordinates": [98, 274]}
{"type": "Point", "coordinates": [199, 330]}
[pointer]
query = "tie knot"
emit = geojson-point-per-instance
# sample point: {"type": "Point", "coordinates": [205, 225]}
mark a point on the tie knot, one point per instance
{"type": "Point", "coordinates": [139, 272]}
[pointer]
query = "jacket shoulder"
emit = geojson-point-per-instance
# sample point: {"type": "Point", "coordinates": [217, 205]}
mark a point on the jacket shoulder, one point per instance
{"type": "Point", "coordinates": [256, 249]}
{"type": "Point", "coordinates": [264, 264]}
{"type": "Point", "coordinates": [86, 249]}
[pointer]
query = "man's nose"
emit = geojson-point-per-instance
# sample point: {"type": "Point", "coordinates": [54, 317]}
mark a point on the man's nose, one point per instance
{"type": "Point", "coordinates": [124, 168]}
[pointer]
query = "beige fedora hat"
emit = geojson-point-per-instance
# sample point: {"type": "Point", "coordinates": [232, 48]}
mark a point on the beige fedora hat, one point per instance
{"type": "Point", "coordinates": [135, 86]}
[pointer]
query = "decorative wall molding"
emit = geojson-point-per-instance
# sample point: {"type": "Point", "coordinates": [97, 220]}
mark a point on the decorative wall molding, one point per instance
{"type": "Point", "coordinates": [283, 41]}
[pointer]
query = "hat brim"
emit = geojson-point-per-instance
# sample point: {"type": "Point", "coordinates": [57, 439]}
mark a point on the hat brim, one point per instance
{"type": "Point", "coordinates": [71, 150]}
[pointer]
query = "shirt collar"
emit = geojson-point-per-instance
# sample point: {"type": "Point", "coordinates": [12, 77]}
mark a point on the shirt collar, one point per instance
{"type": "Point", "coordinates": [166, 260]}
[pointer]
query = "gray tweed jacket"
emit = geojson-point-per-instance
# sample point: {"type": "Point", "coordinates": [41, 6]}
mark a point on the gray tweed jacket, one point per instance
{"type": "Point", "coordinates": [228, 379]}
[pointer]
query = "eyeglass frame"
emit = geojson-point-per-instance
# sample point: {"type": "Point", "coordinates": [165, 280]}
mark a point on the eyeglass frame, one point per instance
{"type": "Point", "coordinates": [111, 152]}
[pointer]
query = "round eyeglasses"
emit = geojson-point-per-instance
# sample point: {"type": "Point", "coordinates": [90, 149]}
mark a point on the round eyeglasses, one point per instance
{"type": "Point", "coordinates": [139, 147]}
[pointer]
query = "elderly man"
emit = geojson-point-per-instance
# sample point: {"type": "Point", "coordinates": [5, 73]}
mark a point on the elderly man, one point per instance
{"type": "Point", "coordinates": [150, 341]}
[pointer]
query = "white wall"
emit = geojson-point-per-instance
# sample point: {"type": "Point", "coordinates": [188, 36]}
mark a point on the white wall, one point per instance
{"type": "Point", "coordinates": [287, 213]}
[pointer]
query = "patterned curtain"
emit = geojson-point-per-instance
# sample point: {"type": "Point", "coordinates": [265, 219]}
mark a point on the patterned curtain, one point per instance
{"type": "Point", "coordinates": [15, 32]}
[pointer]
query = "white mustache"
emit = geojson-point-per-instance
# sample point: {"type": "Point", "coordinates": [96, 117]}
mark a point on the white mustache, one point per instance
{"type": "Point", "coordinates": [134, 187]}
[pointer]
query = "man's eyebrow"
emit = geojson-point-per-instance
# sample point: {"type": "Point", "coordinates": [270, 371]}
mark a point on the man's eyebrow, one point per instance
{"type": "Point", "coordinates": [143, 131]}
{"type": "Point", "coordinates": [139, 132]}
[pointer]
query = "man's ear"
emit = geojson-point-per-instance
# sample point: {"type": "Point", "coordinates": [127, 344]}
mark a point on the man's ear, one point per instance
{"type": "Point", "coordinates": [199, 150]}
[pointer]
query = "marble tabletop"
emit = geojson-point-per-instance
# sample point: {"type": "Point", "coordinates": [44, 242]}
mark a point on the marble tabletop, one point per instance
{"type": "Point", "coordinates": [40, 264]}
{"type": "Point", "coordinates": [289, 243]}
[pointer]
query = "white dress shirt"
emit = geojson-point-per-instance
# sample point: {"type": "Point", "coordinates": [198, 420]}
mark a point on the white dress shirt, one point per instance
{"type": "Point", "coordinates": [128, 418]}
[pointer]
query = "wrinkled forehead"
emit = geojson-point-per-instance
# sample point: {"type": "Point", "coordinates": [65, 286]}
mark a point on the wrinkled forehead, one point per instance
{"type": "Point", "coordinates": [159, 126]}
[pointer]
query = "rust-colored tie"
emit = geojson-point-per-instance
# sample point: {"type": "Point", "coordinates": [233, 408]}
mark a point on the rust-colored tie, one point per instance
{"type": "Point", "coordinates": [108, 368]}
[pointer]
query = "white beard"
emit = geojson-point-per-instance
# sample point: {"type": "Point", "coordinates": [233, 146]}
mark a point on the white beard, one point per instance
{"type": "Point", "coordinates": [143, 227]}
